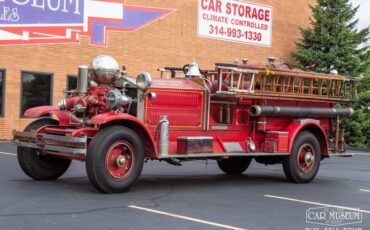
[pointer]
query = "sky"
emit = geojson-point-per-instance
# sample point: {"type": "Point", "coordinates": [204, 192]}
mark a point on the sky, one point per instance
{"type": "Point", "coordinates": [363, 13]}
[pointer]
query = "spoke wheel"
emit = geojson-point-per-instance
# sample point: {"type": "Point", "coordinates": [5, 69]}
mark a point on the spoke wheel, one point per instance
{"type": "Point", "coordinates": [119, 160]}
{"type": "Point", "coordinates": [115, 159]}
{"type": "Point", "coordinates": [302, 165]}
{"type": "Point", "coordinates": [306, 158]}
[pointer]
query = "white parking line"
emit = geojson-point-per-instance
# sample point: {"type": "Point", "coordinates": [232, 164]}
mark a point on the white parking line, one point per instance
{"type": "Point", "coordinates": [318, 203]}
{"type": "Point", "coordinates": [364, 190]}
{"type": "Point", "coordinates": [186, 218]}
{"type": "Point", "coordinates": [8, 154]}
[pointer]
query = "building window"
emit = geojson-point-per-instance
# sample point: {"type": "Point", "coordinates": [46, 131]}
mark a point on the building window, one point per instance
{"type": "Point", "coordinates": [2, 91]}
{"type": "Point", "coordinates": [71, 82]}
{"type": "Point", "coordinates": [36, 90]}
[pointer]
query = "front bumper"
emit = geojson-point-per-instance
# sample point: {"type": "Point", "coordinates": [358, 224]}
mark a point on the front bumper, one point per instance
{"type": "Point", "coordinates": [67, 146]}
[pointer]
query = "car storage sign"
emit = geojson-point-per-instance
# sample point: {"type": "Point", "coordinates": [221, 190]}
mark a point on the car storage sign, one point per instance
{"type": "Point", "coordinates": [236, 21]}
{"type": "Point", "coordinates": [64, 21]}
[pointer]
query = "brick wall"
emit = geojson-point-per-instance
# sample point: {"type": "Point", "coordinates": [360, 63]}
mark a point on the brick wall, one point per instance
{"type": "Point", "coordinates": [169, 41]}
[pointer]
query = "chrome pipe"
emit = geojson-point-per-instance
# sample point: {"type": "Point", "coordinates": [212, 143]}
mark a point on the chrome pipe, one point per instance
{"type": "Point", "coordinates": [82, 79]}
{"type": "Point", "coordinates": [163, 140]}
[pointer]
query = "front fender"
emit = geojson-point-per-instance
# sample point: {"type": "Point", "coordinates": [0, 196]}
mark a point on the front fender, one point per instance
{"type": "Point", "coordinates": [133, 123]}
{"type": "Point", "coordinates": [105, 118]}
{"type": "Point", "coordinates": [64, 117]}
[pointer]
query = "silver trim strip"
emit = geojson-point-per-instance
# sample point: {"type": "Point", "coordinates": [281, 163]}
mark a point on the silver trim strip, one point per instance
{"type": "Point", "coordinates": [207, 109]}
{"type": "Point", "coordinates": [64, 149]}
{"type": "Point", "coordinates": [140, 105]}
{"type": "Point", "coordinates": [205, 155]}
{"type": "Point", "coordinates": [50, 147]}
{"type": "Point", "coordinates": [224, 102]}
{"type": "Point", "coordinates": [65, 138]}
{"type": "Point", "coordinates": [194, 138]}
{"type": "Point", "coordinates": [304, 121]}
{"type": "Point", "coordinates": [25, 144]}
{"type": "Point", "coordinates": [277, 132]}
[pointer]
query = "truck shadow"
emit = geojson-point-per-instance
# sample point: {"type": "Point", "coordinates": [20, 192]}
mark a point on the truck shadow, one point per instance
{"type": "Point", "coordinates": [162, 182]}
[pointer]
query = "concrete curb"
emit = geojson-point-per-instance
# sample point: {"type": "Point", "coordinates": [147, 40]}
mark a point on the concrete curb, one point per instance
{"type": "Point", "coordinates": [359, 149]}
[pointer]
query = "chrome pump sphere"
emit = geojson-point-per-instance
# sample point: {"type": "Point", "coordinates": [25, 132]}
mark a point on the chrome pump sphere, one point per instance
{"type": "Point", "coordinates": [105, 69]}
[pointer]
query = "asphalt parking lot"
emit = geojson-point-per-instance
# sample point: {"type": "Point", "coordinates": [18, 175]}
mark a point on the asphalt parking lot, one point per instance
{"type": "Point", "coordinates": [194, 196]}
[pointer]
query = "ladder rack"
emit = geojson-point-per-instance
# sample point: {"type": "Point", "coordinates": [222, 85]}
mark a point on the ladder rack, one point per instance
{"type": "Point", "coordinates": [262, 82]}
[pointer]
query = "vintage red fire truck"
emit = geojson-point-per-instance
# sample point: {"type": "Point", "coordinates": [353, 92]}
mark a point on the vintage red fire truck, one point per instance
{"type": "Point", "coordinates": [238, 112]}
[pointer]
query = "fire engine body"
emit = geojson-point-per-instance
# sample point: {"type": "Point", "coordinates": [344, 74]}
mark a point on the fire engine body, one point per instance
{"type": "Point", "coordinates": [234, 114]}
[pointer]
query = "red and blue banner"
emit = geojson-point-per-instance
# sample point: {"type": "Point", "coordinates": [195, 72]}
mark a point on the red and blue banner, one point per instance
{"type": "Point", "coordinates": [64, 21]}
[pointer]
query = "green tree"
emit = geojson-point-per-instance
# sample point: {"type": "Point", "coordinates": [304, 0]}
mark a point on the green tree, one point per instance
{"type": "Point", "coordinates": [358, 126]}
{"type": "Point", "coordinates": [333, 42]}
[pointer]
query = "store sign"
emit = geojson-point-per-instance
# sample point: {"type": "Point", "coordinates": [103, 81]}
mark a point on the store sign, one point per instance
{"type": "Point", "coordinates": [64, 21]}
{"type": "Point", "coordinates": [235, 20]}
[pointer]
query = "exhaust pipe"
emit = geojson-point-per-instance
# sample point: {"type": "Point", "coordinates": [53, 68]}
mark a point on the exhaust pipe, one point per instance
{"type": "Point", "coordinates": [270, 110]}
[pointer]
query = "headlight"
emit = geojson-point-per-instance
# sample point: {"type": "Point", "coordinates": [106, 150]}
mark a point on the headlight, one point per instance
{"type": "Point", "coordinates": [143, 80]}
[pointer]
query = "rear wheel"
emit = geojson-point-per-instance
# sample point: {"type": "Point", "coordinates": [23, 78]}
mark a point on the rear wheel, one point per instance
{"type": "Point", "coordinates": [36, 165]}
{"type": "Point", "coordinates": [115, 159]}
{"type": "Point", "coordinates": [304, 162]}
{"type": "Point", "coordinates": [234, 165]}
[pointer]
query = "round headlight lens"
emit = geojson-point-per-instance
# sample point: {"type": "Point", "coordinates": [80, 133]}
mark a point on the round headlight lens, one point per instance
{"type": "Point", "coordinates": [143, 80]}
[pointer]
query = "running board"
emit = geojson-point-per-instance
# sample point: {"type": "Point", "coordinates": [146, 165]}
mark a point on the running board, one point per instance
{"type": "Point", "coordinates": [217, 155]}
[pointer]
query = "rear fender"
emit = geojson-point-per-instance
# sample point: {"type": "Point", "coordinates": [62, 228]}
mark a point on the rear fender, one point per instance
{"type": "Point", "coordinates": [312, 126]}
{"type": "Point", "coordinates": [65, 118]}
{"type": "Point", "coordinates": [111, 118]}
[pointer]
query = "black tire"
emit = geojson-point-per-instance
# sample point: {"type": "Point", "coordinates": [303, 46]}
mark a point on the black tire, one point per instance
{"type": "Point", "coordinates": [296, 168]}
{"type": "Point", "coordinates": [234, 165]}
{"type": "Point", "coordinates": [41, 167]}
{"type": "Point", "coordinates": [102, 157]}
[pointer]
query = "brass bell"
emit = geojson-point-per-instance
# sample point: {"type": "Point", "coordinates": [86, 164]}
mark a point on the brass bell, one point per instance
{"type": "Point", "coordinates": [193, 70]}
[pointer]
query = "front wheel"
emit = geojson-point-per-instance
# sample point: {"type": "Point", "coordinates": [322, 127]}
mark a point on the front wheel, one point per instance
{"type": "Point", "coordinates": [34, 163]}
{"type": "Point", "coordinates": [304, 162]}
{"type": "Point", "coordinates": [115, 159]}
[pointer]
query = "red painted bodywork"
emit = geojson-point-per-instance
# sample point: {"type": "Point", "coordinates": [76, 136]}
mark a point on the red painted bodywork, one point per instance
{"type": "Point", "coordinates": [131, 122]}
{"type": "Point", "coordinates": [295, 128]}
{"type": "Point", "coordinates": [64, 117]}
{"type": "Point", "coordinates": [182, 101]}
{"type": "Point", "coordinates": [192, 111]}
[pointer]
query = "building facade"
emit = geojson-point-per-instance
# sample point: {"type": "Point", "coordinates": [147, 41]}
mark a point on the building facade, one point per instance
{"type": "Point", "coordinates": [43, 42]}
